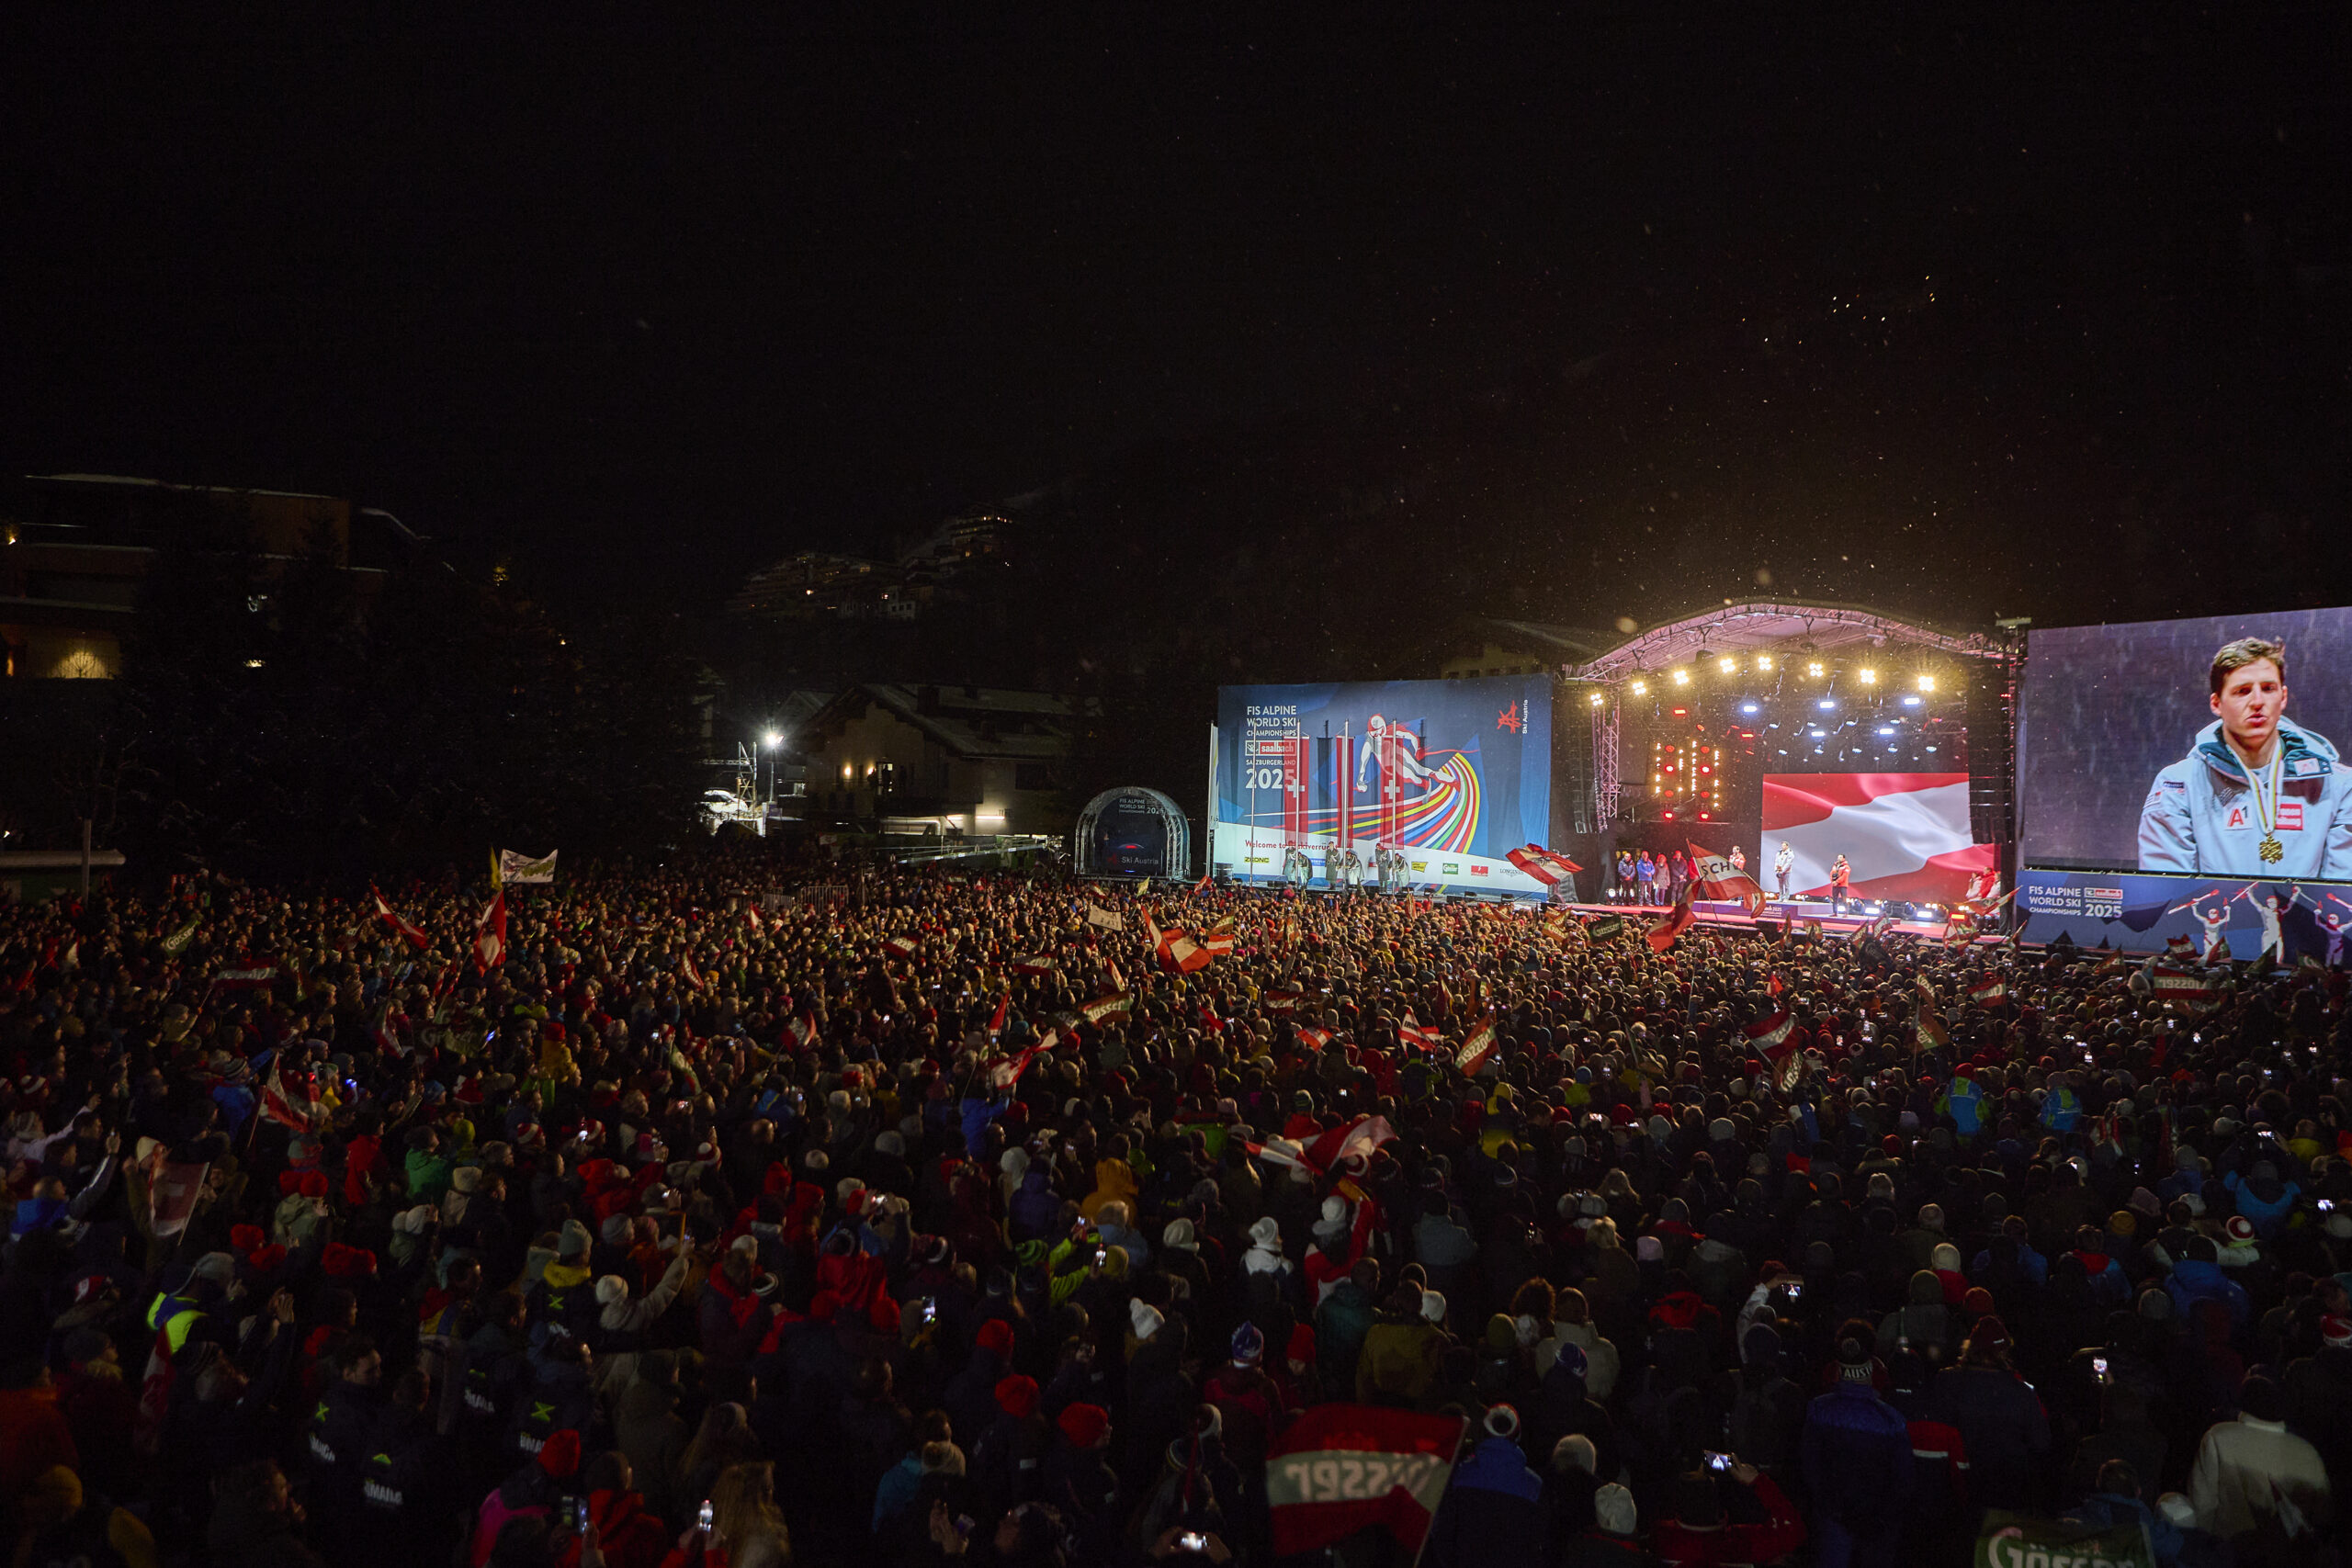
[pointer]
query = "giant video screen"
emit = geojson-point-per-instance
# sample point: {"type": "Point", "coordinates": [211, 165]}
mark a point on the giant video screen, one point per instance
{"type": "Point", "coordinates": [1905, 836]}
{"type": "Point", "coordinates": [2178, 786]}
{"type": "Point", "coordinates": [2201, 748]}
{"type": "Point", "coordinates": [1401, 784]}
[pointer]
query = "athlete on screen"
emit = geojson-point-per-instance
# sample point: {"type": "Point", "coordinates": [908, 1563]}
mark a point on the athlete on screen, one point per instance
{"type": "Point", "coordinates": [2257, 795]}
{"type": "Point", "coordinates": [2212, 919]}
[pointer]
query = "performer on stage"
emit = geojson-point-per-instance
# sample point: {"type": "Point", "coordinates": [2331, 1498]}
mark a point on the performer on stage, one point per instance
{"type": "Point", "coordinates": [1840, 876]}
{"type": "Point", "coordinates": [1739, 858]}
{"type": "Point", "coordinates": [1781, 865]}
{"type": "Point", "coordinates": [2256, 796]}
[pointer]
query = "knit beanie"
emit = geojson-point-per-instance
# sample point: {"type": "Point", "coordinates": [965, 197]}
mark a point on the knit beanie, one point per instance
{"type": "Point", "coordinates": [1017, 1395]}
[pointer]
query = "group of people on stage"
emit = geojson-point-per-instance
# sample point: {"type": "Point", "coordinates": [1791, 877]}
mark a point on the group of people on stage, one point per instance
{"type": "Point", "coordinates": [1661, 878]}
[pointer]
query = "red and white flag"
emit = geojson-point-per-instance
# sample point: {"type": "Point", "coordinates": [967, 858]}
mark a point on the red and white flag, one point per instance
{"type": "Point", "coordinates": [2180, 946]}
{"type": "Point", "coordinates": [1719, 879]}
{"type": "Point", "coordinates": [297, 1107]}
{"type": "Point", "coordinates": [1319, 1038]}
{"type": "Point", "coordinates": [490, 933]}
{"type": "Point", "coordinates": [1775, 1040]}
{"type": "Point", "coordinates": [1003, 1011]}
{"type": "Point", "coordinates": [1283, 999]}
{"type": "Point", "coordinates": [1004, 1075]}
{"type": "Point", "coordinates": [802, 1029]}
{"type": "Point", "coordinates": [1540, 864]}
{"type": "Point", "coordinates": [1343, 1468]}
{"type": "Point", "coordinates": [1905, 836]}
{"type": "Point", "coordinates": [1677, 921]}
{"type": "Point", "coordinates": [900, 946]}
{"type": "Point", "coordinates": [751, 913]}
{"type": "Point", "coordinates": [1361, 1136]}
{"type": "Point", "coordinates": [1101, 1008]}
{"type": "Point", "coordinates": [1472, 1052]}
{"type": "Point", "coordinates": [1988, 991]}
{"type": "Point", "coordinates": [2179, 985]}
{"type": "Point", "coordinates": [1219, 943]}
{"type": "Point", "coordinates": [1410, 1030]}
{"type": "Point", "coordinates": [687, 966]}
{"type": "Point", "coordinates": [391, 918]}
{"type": "Point", "coordinates": [1033, 964]}
{"type": "Point", "coordinates": [1202, 884]}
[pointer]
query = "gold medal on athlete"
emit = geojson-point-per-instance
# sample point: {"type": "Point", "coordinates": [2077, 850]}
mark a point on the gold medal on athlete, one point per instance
{"type": "Point", "coordinates": [2266, 812]}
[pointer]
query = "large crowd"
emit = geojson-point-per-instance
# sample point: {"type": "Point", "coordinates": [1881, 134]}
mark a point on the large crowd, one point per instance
{"type": "Point", "coordinates": [746, 1213]}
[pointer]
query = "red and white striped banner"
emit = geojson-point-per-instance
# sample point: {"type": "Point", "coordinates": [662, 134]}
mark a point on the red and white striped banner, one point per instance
{"type": "Point", "coordinates": [1342, 1468]}
{"type": "Point", "coordinates": [1903, 835]}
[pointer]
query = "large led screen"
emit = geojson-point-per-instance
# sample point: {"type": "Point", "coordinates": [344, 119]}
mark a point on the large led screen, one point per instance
{"type": "Point", "coordinates": [1905, 836]}
{"type": "Point", "coordinates": [2197, 748]}
{"type": "Point", "coordinates": [1399, 783]}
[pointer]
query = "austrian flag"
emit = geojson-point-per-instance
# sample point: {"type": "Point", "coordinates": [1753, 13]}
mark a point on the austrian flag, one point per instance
{"type": "Point", "coordinates": [1540, 864]}
{"type": "Point", "coordinates": [391, 917]}
{"type": "Point", "coordinates": [1988, 991]}
{"type": "Point", "coordinates": [1343, 1468]}
{"type": "Point", "coordinates": [1475, 1051]}
{"type": "Point", "coordinates": [901, 946]}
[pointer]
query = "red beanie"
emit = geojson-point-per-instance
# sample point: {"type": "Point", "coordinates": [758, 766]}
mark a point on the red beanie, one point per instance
{"type": "Point", "coordinates": [1302, 1343]}
{"type": "Point", "coordinates": [341, 1262]}
{"type": "Point", "coordinates": [1017, 1396]}
{"type": "Point", "coordinates": [1084, 1424]}
{"type": "Point", "coordinates": [995, 1335]}
{"type": "Point", "coordinates": [244, 1240]}
{"type": "Point", "coordinates": [315, 1184]}
{"type": "Point", "coordinates": [560, 1455]}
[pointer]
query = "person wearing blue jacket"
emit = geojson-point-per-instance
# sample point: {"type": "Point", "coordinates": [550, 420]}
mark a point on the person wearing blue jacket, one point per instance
{"type": "Point", "coordinates": [1493, 1510]}
{"type": "Point", "coordinates": [2115, 1502]}
{"type": "Point", "coordinates": [2199, 1277]}
{"type": "Point", "coordinates": [1857, 1456]}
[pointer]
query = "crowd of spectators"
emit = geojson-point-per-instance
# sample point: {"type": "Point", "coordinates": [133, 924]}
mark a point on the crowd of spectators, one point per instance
{"type": "Point", "coordinates": [711, 1224]}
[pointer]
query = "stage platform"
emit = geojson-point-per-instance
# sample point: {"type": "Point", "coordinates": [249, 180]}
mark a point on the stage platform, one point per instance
{"type": "Point", "coordinates": [1796, 911]}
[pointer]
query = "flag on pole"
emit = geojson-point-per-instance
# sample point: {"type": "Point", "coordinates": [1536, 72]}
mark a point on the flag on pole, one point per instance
{"type": "Point", "coordinates": [1605, 927]}
{"type": "Point", "coordinates": [1990, 990]}
{"type": "Point", "coordinates": [391, 917]}
{"type": "Point", "coordinates": [490, 933]}
{"type": "Point", "coordinates": [802, 1029]}
{"type": "Point", "coordinates": [1319, 1038]}
{"type": "Point", "coordinates": [1542, 864]}
{"type": "Point", "coordinates": [1033, 964]}
{"type": "Point", "coordinates": [1677, 921]}
{"type": "Point", "coordinates": [1410, 1031]}
{"type": "Point", "coordinates": [1774, 1039]}
{"type": "Point", "coordinates": [1107, 919]}
{"type": "Point", "coordinates": [1719, 879]}
{"type": "Point", "coordinates": [1003, 1008]}
{"type": "Point", "coordinates": [1339, 1468]}
{"type": "Point", "coordinates": [177, 941]}
{"type": "Point", "coordinates": [2180, 947]}
{"type": "Point", "coordinates": [1924, 1018]}
{"type": "Point", "coordinates": [1283, 999]}
{"type": "Point", "coordinates": [1472, 1052]}
{"type": "Point", "coordinates": [900, 946]}
{"type": "Point", "coordinates": [1004, 1075]}
{"type": "Point", "coordinates": [687, 966]}
{"type": "Point", "coordinates": [1202, 884]}
{"type": "Point", "coordinates": [519, 870]}
{"type": "Point", "coordinates": [297, 1108]}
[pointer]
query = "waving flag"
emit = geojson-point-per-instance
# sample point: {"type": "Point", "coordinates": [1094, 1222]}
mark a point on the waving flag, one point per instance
{"type": "Point", "coordinates": [1410, 1031]}
{"type": "Point", "coordinates": [1108, 920]}
{"type": "Point", "coordinates": [1677, 921]}
{"type": "Point", "coordinates": [1101, 1008]}
{"type": "Point", "coordinates": [1472, 1052]}
{"type": "Point", "coordinates": [1283, 999]}
{"type": "Point", "coordinates": [2180, 946]}
{"type": "Point", "coordinates": [1774, 1039]}
{"type": "Point", "coordinates": [1003, 1008]}
{"type": "Point", "coordinates": [1718, 879]}
{"type": "Point", "coordinates": [297, 1109]}
{"type": "Point", "coordinates": [900, 946]}
{"type": "Point", "coordinates": [2179, 985]}
{"type": "Point", "coordinates": [687, 966]}
{"type": "Point", "coordinates": [1361, 1136]}
{"type": "Point", "coordinates": [1988, 991]}
{"type": "Point", "coordinates": [1540, 864]}
{"type": "Point", "coordinates": [1926, 1021]}
{"type": "Point", "coordinates": [1339, 1468]}
{"type": "Point", "coordinates": [1033, 964]}
{"type": "Point", "coordinates": [490, 933]}
{"type": "Point", "coordinates": [176, 944]}
{"type": "Point", "coordinates": [1319, 1038]}
{"type": "Point", "coordinates": [1004, 1075]}
{"type": "Point", "coordinates": [802, 1029]}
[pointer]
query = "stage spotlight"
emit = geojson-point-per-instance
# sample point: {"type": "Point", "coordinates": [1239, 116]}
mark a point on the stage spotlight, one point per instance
{"type": "Point", "coordinates": [1827, 702]}
{"type": "Point", "coordinates": [1641, 688]}
{"type": "Point", "coordinates": [1683, 677]}
{"type": "Point", "coordinates": [1749, 707]}
{"type": "Point", "coordinates": [1867, 677]}
{"type": "Point", "coordinates": [1729, 665]}
{"type": "Point", "coordinates": [1813, 669]}
{"type": "Point", "coordinates": [1910, 702]}
{"type": "Point", "coordinates": [1886, 729]}
{"type": "Point", "coordinates": [1927, 683]}
{"type": "Point", "coordinates": [1764, 662]}
{"type": "Point", "coordinates": [1598, 699]}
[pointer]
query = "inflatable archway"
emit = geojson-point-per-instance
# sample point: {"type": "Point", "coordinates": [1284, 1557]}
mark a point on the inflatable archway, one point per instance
{"type": "Point", "coordinates": [1133, 832]}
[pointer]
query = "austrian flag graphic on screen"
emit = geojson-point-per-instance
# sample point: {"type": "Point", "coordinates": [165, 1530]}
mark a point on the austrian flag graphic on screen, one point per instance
{"type": "Point", "coordinates": [1903, 835]}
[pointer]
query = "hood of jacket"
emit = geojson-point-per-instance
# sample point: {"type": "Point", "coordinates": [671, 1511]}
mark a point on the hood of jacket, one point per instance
{"type": "Point", "coordinates": [2303, 754]}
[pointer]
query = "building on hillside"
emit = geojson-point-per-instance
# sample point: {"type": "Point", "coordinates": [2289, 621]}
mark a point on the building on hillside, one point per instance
{"type": "Point", "coordinates": [74, 549]}
{"type": "Point", "coordinates": [1492, 647]}
{"type": "Point", "coordinates": [958, 758]}
{"type": "Point", "coordinates": [813, 585]}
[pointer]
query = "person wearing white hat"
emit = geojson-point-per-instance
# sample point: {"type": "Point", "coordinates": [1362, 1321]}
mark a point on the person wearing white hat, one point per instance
{"type": "Point", "coordinates": [1493, 1509]}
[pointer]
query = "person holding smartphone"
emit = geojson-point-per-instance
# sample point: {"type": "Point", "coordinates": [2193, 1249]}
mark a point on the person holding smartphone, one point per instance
{"type": "Point", "coordinates": [1698, 1531]}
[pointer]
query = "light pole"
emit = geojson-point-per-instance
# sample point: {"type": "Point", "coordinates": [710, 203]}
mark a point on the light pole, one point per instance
{"type": "Point", "coordinates": [771, 740]}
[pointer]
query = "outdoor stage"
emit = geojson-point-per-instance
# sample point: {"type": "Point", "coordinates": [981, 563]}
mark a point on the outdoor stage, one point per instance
{"type": "Point", "coordinates": [1797, 911]}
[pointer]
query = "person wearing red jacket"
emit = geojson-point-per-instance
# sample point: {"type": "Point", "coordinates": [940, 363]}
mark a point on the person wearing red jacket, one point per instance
{"type": "Point", "coordinates": [1697, 1534]}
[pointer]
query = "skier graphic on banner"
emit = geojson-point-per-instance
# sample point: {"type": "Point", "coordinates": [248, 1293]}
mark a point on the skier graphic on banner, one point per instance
{"type": "Point", "coordinates": [1396, 752]}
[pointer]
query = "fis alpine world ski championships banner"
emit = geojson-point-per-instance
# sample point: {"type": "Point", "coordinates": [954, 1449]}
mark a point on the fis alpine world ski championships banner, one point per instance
{"type": "Point", "coordinates": [2214, 916]}
{"type": "Point", "coordinates": [1392, 784]}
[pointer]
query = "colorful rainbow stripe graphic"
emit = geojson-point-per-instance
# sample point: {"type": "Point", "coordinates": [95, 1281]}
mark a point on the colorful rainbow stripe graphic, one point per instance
{"type": "Point", "coordinates": [1444, 817]}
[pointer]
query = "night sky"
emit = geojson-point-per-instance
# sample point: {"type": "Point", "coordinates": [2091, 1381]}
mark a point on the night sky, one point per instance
{"type": "Point", "coordinates": [1965, 310]}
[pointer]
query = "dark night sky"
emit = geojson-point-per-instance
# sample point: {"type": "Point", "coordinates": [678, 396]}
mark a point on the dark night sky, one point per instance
{"type": "Point", "coordinates": [648, 303]}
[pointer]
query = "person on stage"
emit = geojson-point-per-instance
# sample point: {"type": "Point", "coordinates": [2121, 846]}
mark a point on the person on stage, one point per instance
{"type": "Point", "coordinates": [1783, 863]}
{"type": "Point", "coordinates": [1739, 858]}
{"type": "Point", "coordinates": [1841, 875]}
{"type": "Point", "coordinates": [2257, 795]}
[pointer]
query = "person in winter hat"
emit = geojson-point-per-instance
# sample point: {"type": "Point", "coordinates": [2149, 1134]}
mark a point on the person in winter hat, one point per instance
{"type": "Point", "coordinates": [1492, 1511]}
{"type": "Point", "coordinates": [1857, 1455]}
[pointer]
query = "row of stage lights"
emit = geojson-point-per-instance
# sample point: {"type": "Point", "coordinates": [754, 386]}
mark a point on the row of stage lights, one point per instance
{"type": "Point", "coordinates": [1814, 670]}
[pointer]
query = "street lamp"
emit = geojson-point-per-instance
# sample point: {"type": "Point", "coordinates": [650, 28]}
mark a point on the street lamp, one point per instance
{"type": "Point", "coordinates": [771, 740]}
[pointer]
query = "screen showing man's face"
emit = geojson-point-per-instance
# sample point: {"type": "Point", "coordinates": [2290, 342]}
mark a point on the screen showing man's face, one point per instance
{"type": "Point", "coordinates": [2249, 703]}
